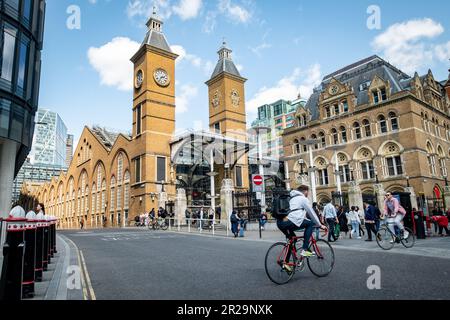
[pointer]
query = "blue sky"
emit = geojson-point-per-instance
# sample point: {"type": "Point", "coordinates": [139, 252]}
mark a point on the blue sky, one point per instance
{"type": "Point", "coordinates": [282, 47]}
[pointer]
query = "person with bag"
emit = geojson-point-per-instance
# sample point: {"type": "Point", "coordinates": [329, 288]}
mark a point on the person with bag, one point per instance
{"type": "Point", "coordinates": [331, 219]}
{"type": "Point", "coordinates": [234, 223]}
{"type": "Point", "coordinates": [301, 216]}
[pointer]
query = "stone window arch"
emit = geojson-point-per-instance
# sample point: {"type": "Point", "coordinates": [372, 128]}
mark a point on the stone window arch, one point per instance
{"type": "Point", "coordinates": [366, 167]}
{"type": "Point", "coordinates": [393, 164]}
{"type": "Point", "coordinates": [344, 167]}
{"type": "Point", "coordinates": [442, 162]}
{"type": "Point", "coordinates": [393, 121]}
{"type": "Point", "coordinates": [382, 124]}
{"type": "Point", "coordinates": [334, 136]}
{"type": "Point", "coordinates": [126, 192]}
{"type": "Point", "coordinates": [343, 134]}
{"type": "Point", "coordinates": [314, 137]}
{"type": "Point", "coordinates": [357, 130]}
{"type": "Point", "coordinates": [112, 202]}
{"type": "Point", "coordinates": [322, 171]}
{"type": "Point", "coordinates": [367, 128]}
{"type": "Point", "coordinates": [323, 140]}
{"type": "Point", "coordinates": [297, 149]}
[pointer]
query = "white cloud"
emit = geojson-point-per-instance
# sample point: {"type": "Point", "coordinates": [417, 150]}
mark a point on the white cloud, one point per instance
{"type": "Point", "coordinates": [235, 12]}
{"type": "Point", "coordinates": [194, 60]}
{"type": "Point", "coordinates": [405, 44]}
{"type": "Point", "coordinates": [187, 93]}
{"type": "Point", "coordinates": [185, 9]}
{"type": "Point", "coordinates": [112, 62]}
{"type": "Point", "coordinates": [188, 9]}
{"type": "Point", "coordinates": [287, 88]}
{"type": "Point", "coordinates": [443, 52]}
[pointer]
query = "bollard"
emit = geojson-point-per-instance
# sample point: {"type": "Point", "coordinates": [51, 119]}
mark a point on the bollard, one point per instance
{"type": "Point", "coordinates": [50, 237]}
{"type": "Point", "coordinates": [13, 256]}
{"type": "Point", "coordinates": [30, 256]}
{"type": "Point", "coordinates": [38, 271]}
{"type": "Point", "coordinates": [55, 221]}
{"type": "Point", "coordinates": [46, 256]}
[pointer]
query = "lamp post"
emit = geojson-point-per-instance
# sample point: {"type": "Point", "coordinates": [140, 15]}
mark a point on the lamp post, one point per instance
{"type": "Point", "coordinates": [258, 130]}
{"type": "Point", "coordinates": [311, 170]}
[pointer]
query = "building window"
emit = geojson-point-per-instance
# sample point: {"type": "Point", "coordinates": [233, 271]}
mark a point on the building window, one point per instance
{"type": "Point", "coordinates": [382, 123]}
{"type": "Point", "coordinates": [357, 129]}
{"type": "Point", "coordinates": [137, 169]}
{"type": "Point", "coordinates": [394, 166]}
{"type": "Point", "coordinates": [323, 141]}
{"type": "Point", "coordinates": [394, 121]}
{"type": "Point", "coordinates": [383, 94]}
{"type": "Point", "coordinates": [344, 173]}
{"type": "Point", "coordinates": [343, 134]}
{"type": "Point", "coordinates": [9, 45]}
{"type": "Point", "coordinates": [336, 109]}
{"type": "Point", "coordinates": [296, 146]}
{"type": "Point", "coordinates": [367, 170]}
{"type": "Point", "coordinates": [217, 127]}
{"type": "Point", "coordinates": [238, 171]}
{"type": "Point", "coordinates": [314, 137]}
{"type": "Point", "coordinates": [23, 58]}
{"type": "Point", "coordinates": [345, 106]}
{"type": "Point", "coordinates": [334, 136]}
{"type": "Point", "coordinates": [323, 177]}
{"type": "Point", "coordinates": [262, 113]}
{"type": "Point", "coordinates": [328, 111]}
{"type": "Point", "coordinates": [138, 120]}
{"type": "Point", "coordinates": [304, 146]}
{"type": "Point", "coordinates": [278, 110]}
{"type": "Point", "coordinates": [112, 204]}
{"type": "Point", "coordinates": [375, 96]}
{"type": "Point", "coordinates": [367, 129]}
{"type": "Point", "coordinates": [161, 169]}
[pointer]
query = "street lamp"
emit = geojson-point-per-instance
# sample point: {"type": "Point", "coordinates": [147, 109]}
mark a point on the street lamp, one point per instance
{"type": "Point", "coordinates": [258, 130]}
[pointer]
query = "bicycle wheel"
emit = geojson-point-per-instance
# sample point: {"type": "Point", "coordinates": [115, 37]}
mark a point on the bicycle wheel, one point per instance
{"type": "Point", "coordinates": [164, 226]}
{"type": "Point", "coordinates": [410, 241]}
{"type": "Point", "coordinates": [275, 257]}
{"type": "Point", "coordinates": [322, 263]}
{"type": "Point", "coordinates": [385, 239]}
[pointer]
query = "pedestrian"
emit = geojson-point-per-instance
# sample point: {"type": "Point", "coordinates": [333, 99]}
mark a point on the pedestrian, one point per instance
{"type": "Point", "coordinates": [187, 215]}
{"type": "Point", "coordinates": [242, 224]}
{"type": "Point", "coordinates": [330, 216]}
{"type": "Point", "coordinates": [219, 213]}
{"type": "Point", "coordinates": [318, 211]}
{"type": "Point", "coordinates": [342, 218]}
{"type": "Point", "coordinates": [361, 220]}
{"type": "Point", "coordinates": [353, 218]}
{"type": "Point", "coordinates": [442, 222]}
{"type": "Point", "coordinates": [200, 226]}
{"type": "Point", "coordinates": [81, 224]}
{"type": "Point", "coordinates": [369, 217]}
{"type": "Point", "coordinates": [377, 218]}
{"type": "Point", "coordinates": [211, 218]}
{"type": "Point", "coordinates": [234, 223]}
{"type": "Point", "coordinates": [263, 220]}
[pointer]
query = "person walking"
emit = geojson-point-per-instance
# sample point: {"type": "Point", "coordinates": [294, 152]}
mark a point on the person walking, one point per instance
{"type": "Point", "coordinates": [377, 218]}
{"type": "Point", "coordinates": [353, 218]}
{"type": "Point", "coordinates": [361, 221]}
{"type": "Point", "coordinates": [200, 226]}
{"type": "Point", "coordinates": [263, 220]}
{"type": "Point", "coordinates": [330, 216]}
{"type": "Point", "coordinates": [370, 215]}
{"type": "Point", "coordinates": [187, 215]}
{"type": "Point", "coordinates": [242, 224]}
{"type": "Point", "coordinates": [442, 222]}
{"type": "Point", "coordinates": [319, 214]}
{"type": "Point", "coordinates": [343, 222]}
{"type": "Point", "coordinates": [234, 223]}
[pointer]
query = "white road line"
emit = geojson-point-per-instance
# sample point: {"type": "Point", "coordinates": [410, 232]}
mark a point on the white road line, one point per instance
{"type": "Point", "coordinates": [88, 279]}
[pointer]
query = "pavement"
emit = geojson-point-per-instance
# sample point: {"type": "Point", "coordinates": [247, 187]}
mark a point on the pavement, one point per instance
{"type": "Point", "coordinates": [132, 263]}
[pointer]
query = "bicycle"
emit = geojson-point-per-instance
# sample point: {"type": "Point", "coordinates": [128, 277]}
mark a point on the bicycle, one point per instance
{"type": "Point", "coordinates": [160, 223]}
{"type": "Point", "coordinates": [386, 239]}
{"type": "Point", "coordinates": [321, 264]}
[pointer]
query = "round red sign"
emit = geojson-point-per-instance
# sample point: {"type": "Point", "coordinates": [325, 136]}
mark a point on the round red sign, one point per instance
{"type": "Point", "coordinates": [258, 180]}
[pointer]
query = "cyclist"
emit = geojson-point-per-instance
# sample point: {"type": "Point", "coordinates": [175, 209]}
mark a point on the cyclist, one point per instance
{"type": "Point", "coordinates": [299, 218]}
{"type": "Point", "coordinates": [395, 214]}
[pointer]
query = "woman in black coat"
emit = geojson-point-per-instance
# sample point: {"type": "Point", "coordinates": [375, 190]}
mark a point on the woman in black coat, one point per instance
{"type": "Point", "coordinates": [343, 222]}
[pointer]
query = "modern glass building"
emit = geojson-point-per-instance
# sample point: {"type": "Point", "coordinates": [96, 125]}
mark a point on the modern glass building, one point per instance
{"type": "Point", "coordinates": [21, 41]}
{"type": "Point", "coordinates": [277, 116]}
{"type": "Point", "coordinates": [50, 139]}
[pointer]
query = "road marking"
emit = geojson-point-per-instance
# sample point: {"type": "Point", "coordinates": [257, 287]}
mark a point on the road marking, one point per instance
{"type": "Point", "coordinates": [88, 279]}
{"type": "Point", "coordinates": [83, 284]}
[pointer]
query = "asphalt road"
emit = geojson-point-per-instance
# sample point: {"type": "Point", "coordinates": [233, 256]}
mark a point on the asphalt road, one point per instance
{"type": "Point", "coordinates": [148, 265]}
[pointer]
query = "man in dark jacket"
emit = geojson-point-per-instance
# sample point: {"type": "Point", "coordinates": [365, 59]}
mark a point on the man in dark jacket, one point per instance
{"type": "Point", "coordinates": [370, 215]}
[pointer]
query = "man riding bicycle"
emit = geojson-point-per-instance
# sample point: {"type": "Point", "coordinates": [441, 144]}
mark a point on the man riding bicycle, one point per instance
{"type": "Point", "coordinates": [299, 218]}
{"type": "Point", "coordinates": [395, 214]}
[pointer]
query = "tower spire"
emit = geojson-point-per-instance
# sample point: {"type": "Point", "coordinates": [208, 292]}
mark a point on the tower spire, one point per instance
{"type": "Point", "coordinates": [155, 22]}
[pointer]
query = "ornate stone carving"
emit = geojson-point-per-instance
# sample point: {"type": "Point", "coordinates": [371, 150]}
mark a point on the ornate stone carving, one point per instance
{"type": "Point", "coordinates": [216, 99]}
{"type": "Point", "coordinates": [235, 98]}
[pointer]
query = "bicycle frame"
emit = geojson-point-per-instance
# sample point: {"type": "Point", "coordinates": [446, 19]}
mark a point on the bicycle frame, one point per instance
{"type": "Point", "coordinates": [291, 244]}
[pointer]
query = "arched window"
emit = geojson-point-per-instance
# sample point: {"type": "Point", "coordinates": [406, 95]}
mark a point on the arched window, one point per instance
{"type": "Point", "coordinates": [296, 146]}
{"type": "Point", "coordinates": [431, 159]}
{"type": "Point", "coordinates": [344, 168]}
{"type": "Point", "coordinates": [442, 164]}
{"type": "Point", "coordinates": [323, 140]}
{"type": "Point", "coordinates": [393, 160]}
{"type": "Point", "coordinates": [120, 168]}
{"type": "Point", "coordinates": [365, 158]}
{"type": "Point", "coordinates": [322, 172]}
{"type": "Point", "coordinates": [314, 137]}
{"type": "Point", "coordinates": [304, 146]}
{"type": "Point", "coordinates": [367, 129]}
{"type": "Point", "coordinates": [112, 202]}
{"type": "Point", "coordinates": [343, 132]}
{"type": "Point", "coordinates": [94, 202]}
{"type": "Point", "coordinates": [382, 124]}
{"type": "Point", "coordinates": [357, 130]}
{"type": "Point", "coordinates": [327, 112]}
{"type": "Point", "coordinates": [334, 136]}
{"type": "Point", "coordinates": [394, 121]}
{"type": "Point", "coordinates": [126, 191]}
{"type": "Point", "coordinates": [86, 200]}
{"type": "Point", "coordinates": [427, 124]}
{"type": "Point", "coordinates": [102, 208]}
{"type": "Point", "coordinates": [345, 106]}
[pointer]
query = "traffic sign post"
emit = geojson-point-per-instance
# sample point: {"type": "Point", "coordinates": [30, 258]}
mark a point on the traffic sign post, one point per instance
{"type": "Point", "coordinates": [258, 183]}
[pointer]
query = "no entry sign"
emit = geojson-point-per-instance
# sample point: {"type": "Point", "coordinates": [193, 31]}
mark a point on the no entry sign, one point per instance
{"type": "Point", "coordinates": [258, 183]}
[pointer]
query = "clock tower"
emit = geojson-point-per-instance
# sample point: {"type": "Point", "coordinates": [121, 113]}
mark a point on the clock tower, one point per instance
{"type": "Point", "coordinates": [227, 97]}
{"type": "Point", "coordinates": [153, 118]}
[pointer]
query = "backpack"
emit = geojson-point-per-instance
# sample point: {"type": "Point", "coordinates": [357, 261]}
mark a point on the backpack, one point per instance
{"type": "Point", "coordinates": [281, 206]}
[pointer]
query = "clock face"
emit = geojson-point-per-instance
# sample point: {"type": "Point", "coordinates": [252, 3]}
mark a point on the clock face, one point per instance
{"type": "Point", "coordinates": [334, 89]}
{"type": "Point", "coordinates": [161, 77]}
{"type": "Point", "coordinates": [139, 79]}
